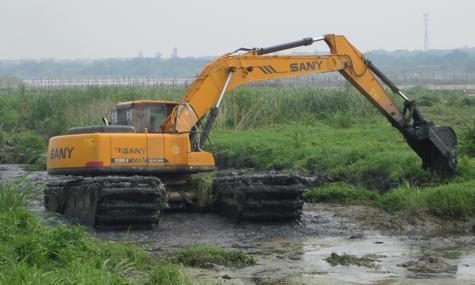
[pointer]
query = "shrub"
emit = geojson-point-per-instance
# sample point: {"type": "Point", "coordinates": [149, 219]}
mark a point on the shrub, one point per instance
{"type": "Point", "coordinates": [202, 185]}
{"type": "Point", "coordinates": [428, 100]}
{"type": "Point", "coordinates": [13, 197]}
{"type": "Point", "coordinates": [455, 200]}
{"type": "Point", "coordinates": [167, 274]}
{"type": "Point", "coordinates": [402, 199]}
{"type": "Point", "coordinates": [452, 200]}
{"type": "Point", "coordinates": [24, 147]}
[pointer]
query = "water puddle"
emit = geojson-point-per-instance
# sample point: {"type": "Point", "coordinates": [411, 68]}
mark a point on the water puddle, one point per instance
{"type": "Point", "coordinates": [304, 262]}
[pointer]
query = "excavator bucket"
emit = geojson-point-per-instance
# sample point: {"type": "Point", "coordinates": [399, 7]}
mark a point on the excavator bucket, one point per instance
{"type": "Point", "coordinates": [436, 145]}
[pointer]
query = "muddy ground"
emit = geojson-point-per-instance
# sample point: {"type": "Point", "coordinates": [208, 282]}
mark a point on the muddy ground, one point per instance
{"type": "Point", "coordinates": [410, 248]}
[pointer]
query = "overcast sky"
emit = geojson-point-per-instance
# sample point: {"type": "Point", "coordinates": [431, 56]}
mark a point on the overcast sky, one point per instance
{"type": "Point", "coordinates": [123, 28]}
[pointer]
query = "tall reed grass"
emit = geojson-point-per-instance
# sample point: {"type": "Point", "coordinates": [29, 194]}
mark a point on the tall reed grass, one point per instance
{"type": "Point", "coordinates": [34, 253]}
{"type": "Point", "coordinates": [25, 114]}
{"type": "Point", "coordinates": [52, 112]}
{"type": "Point", "coordinates": [252, 107]}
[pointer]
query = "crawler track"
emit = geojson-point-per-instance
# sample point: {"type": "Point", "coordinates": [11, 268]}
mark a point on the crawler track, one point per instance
{"type": "Point", "coordinates": [259, 196]}
{"type": "Point", "coordinates": [105, 202]}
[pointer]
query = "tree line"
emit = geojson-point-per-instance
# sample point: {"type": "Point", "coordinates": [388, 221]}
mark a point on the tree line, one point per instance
{"type": "Point", "coordinates": [457, 61]}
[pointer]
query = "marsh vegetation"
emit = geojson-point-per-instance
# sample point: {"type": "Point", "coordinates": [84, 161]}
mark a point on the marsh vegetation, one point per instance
{"type": "Point", "coordinates": [336, 132]}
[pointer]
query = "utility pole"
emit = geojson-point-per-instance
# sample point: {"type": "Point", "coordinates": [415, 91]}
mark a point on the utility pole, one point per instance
{"type": "Point", "coordinates": [426, 31]}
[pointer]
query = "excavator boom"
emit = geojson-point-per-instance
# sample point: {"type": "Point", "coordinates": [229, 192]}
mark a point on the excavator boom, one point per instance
{"type": "Point", "coordinates": [436, 145]}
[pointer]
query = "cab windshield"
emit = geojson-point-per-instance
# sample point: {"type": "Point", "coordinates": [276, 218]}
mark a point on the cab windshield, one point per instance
{"type": "Point", "coordinates": [142, 116]}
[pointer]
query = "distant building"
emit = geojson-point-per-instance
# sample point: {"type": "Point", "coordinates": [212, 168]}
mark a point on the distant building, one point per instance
{"type": "Point", "coordinates": [174, 53]}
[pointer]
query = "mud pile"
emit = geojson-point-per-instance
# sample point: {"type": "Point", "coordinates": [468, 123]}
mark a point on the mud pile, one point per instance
{"type": "Point", "coordinates": [261, 196]}
{"type": "Point", "coordinates": [113, 201]}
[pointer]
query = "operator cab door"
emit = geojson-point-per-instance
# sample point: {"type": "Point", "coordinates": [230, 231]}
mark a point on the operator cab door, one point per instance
{"type": "Point", "coordinates": [129, 150]}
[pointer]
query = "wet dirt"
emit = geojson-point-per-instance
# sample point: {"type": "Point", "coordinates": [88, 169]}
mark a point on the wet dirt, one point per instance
{"type": "Point", "coordinates": [410, 248]}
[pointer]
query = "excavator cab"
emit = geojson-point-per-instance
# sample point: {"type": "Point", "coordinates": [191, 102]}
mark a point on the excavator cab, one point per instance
{"type": "Point", "coordinates": [144, 116]}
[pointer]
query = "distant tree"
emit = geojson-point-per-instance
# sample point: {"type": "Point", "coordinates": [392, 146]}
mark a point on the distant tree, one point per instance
{"type": "Point", "coordinates": [399, 61]}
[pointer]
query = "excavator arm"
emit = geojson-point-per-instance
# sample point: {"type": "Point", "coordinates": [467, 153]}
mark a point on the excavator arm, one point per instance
{"type": "Point", "coordinates": [436, 145]}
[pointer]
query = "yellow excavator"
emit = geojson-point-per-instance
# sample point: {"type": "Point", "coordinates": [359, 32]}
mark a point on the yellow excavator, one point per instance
{"type": "Point", "coordinates": [116, 173]}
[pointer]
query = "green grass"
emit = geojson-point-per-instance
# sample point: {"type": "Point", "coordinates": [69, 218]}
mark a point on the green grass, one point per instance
{"type": "Point", "coordinates": [34, 253]}
{"type": "Point", "coordinates": [371, 153]}
{"type": "Point", "coordinates": [169, 274]}
{"type": "Point", "coordinates": [341, 192]}
{"type": "Point", "coordinates": [453, 200]}
{"type": "Point", "coordinates": [204, 256]}
{"type": "Point", "coordinates": [333, 131]}
{"type": "Point", "coordinates": [46, 113]}
{"type": "Point", "coordinates": [53, 112]}
{"type": "Point", "coordinates": [468, 140]}
{"type": "Point", "coordinates": [251, 107]}
{"type": "Point", "coordinates": [202, 184]}
{"type": "Point", "coordinates": [25, 147]}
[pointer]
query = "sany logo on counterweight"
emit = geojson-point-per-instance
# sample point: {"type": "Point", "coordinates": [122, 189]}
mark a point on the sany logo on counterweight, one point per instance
{"type": "Point", "coordinates": [61, 153]}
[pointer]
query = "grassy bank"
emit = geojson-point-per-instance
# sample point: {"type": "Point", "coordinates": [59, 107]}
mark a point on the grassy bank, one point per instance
{"type": "Point", "coordinates": [369, 152]}
{"type": "Point", "coordinates": [452, 200]}
{"type": "Point", "coordinates": [32, 252]}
